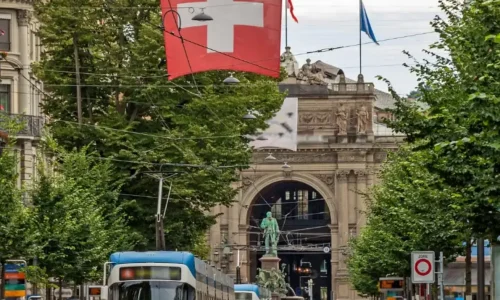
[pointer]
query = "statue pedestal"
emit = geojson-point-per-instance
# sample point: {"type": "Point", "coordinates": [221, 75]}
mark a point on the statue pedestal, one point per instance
{"type": "Point", "coordinates": [270, 262]}
{"type": "Point", "coordinates": [361, 138]}
{"type": "Point", "coordinates": [342, 139]}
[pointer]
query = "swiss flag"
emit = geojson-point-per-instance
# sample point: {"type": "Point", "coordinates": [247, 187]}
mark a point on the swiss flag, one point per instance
{"type": "Point", "coordinates": [244, 35]}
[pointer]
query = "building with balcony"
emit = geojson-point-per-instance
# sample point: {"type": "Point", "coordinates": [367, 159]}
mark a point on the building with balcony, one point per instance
{"type": "Point", "coordinates": [20, 92]}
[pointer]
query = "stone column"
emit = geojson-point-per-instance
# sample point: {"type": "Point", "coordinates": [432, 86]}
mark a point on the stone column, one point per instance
{"type": "Point", "coordinates": [360, 199]}
{"type": "Point", "coordinates": [215, 237]}
{"type": "Point", "coordinates": [25, 105]}
{"type": "Point", "coordinates": [335, 253]}
{"type": "Point", "coordinates": [244, 254]}
{"type": "Point", "coordinates": [343, 212]}
{"type": "Point", "coordinates": [232, 226]}
{"type": "Point", "coordinates": [27, 158]}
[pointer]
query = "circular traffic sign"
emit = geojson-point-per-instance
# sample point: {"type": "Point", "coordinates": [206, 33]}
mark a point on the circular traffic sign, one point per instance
{"type": "Point", "coordinates": [423, 267]}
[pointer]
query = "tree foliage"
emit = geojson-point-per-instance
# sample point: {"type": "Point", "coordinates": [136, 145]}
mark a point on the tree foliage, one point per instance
{"type": "Point", "coordinates": [139, 120]}
{"type": "Point", "coordinates": [460, 124]}
{"type": "Point", "coordinates": [13, 213]}
{"type": "Point", "coordinates": [412, 209]}
{"type": "Point", "coordinates": [444, 188]}
{"type": "Point", "coordinates": [73, 231]}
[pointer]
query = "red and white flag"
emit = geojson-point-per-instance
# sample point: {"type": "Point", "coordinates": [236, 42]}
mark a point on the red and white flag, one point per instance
{"type": "Point", "coordinates": [244, 35]}
{"type": "Point", "coordinates": [289, 5]}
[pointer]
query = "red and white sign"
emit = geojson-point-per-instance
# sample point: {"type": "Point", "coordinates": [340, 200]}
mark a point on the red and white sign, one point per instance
{"type": "Point", "coordinates": [422, 267]}
{"type": "Point", "coordinates": [244, 35]}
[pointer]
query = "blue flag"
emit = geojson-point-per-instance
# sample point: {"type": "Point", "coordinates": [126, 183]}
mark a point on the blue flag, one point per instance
{"type": "Point", "coordinates": [365, 23]}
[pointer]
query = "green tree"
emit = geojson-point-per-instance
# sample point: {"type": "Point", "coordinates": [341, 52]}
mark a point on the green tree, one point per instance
{"type": "Point", "coordinates": [73, 231]}
{"type": "Point", "coordinates": [139, 120]}
{"type": "Point", "coordinates": [14, 240]}
{"type": "Point", "coordinates": [460, 123]}
{"type": "Point", "coordinates": [411, 209]}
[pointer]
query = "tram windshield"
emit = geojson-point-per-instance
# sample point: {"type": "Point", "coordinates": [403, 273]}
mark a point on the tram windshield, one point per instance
{"type": "Point", "coordinates": [243, 296]}
{"type": "Point", "coordinates": [152, 290]}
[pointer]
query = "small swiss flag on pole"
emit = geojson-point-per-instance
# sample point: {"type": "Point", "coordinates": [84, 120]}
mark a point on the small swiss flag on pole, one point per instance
{"type": "Point", "coordinates": [244, 35]}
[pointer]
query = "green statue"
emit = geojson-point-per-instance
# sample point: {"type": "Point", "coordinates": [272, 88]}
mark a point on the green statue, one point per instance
{"type": "Point", "coordinates": [271, 234]}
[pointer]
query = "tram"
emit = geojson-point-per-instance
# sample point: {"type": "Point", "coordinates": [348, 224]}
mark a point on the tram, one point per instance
{"type": "Point", "coordinates": [251, 292]}
{"type": "Point", "coordinates": [165, 275]}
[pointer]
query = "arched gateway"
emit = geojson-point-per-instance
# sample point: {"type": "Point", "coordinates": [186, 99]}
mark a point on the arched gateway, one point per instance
{"type": "Point", "coordinates": [314, 192]}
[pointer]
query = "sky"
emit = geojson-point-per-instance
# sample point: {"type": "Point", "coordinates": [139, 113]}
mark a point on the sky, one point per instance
{"type": "Point", "coordinates": [332, 23]}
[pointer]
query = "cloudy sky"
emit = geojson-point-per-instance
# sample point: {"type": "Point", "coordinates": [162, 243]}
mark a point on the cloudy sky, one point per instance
{"type": "Point", "coordinates": [332, 23]}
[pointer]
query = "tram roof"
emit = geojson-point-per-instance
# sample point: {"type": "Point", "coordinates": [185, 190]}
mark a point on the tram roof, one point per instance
{"type": "Point", "coordinates": [170, 257]}
{"type": "Point", "coordinates": [247, 288]}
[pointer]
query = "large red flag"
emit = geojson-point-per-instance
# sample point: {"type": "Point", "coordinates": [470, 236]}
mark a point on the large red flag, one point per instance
{"type": "Point", "coordinates": [244, 35]}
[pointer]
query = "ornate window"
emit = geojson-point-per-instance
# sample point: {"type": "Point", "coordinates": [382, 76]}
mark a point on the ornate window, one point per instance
{"type": "Point", "coordinates": [4, 34]}
{"type": "Point", "coordinates": [5, 97]}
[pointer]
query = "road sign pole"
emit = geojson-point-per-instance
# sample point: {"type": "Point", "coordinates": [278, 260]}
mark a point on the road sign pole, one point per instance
{"type": "Point", "coordinates": [441, 275]}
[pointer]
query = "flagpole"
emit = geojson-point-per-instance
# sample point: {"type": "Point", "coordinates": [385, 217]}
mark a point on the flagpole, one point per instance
{"type": "Point", "coordinates": [286, 23]}
{"type": "Point", "coordinates": [360, 27]}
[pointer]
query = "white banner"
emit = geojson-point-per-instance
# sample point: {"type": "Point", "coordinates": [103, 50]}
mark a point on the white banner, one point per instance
{"type": "Point", "coordinates": [282, 131]}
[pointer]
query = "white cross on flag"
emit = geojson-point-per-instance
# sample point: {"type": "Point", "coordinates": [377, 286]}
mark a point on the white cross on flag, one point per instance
{"type": "Point", "coordinates": [244, 35]}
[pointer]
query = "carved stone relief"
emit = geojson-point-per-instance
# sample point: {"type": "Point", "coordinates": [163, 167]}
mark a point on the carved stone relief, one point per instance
{"type": "Point", "coordinates": [352, 157]}
{"type": "Point", "coordinates": [380, 156]}
{"type": "Point", "coordinates": [23, 17]}
{"type": "Point", "coordinates": [307, 118]}
{"type": "Point", "coordinates": [362, 173]}
{"type": "Point", "coordinates": [249, 181]}
{"type": "Point", "coordinates": [343, 174]}
{"type": "Point", "coordinates": [329, 180]}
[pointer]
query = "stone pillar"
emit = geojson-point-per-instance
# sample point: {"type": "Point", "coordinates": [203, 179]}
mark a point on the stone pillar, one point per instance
{"type": "Point", "coordinates": [27, 159]}
{"type": "Point", "coordinates": [25, 105]}
{"type": "Point", "coordinates": [215, 237]}
{"type": "Point", "coordinates": [343, 212]}
{"type": "Point", "coordinates": [233, 239]}
{"type": "Point", "coordinates": [335, 255]}
{"type": "Point", "coordinates": [244, 254]}
{"type": "Point", "coordinates": [360, 199]}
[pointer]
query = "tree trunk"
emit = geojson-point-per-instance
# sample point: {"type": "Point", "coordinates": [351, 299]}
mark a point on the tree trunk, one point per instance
{"type": "Point", "coordinates": [82, 291]}
{"type": "Point", "coordinates": [77, 75]}
{"type": "Point", "coordinates": [468, 268]}
{"type": "Point", "coordinates": [60, 288]}
{"type": "Point", "coordinates": [48, 292]}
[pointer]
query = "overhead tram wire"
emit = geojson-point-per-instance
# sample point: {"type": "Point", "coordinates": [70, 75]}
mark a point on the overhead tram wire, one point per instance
{"type": "Point", "coordinates": [182, 41]}
{"type": "Point", "coordinates": [255, 63]}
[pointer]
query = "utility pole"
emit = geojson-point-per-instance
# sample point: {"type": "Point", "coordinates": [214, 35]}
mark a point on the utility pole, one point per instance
{"type": "Point", "coordinates": [160, 237]}
{"type": "Point", "coordinates": [78, 80]}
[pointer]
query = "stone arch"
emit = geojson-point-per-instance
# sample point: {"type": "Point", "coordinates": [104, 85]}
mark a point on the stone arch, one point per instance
{"type": "Point", "coordinates": [250, 194]}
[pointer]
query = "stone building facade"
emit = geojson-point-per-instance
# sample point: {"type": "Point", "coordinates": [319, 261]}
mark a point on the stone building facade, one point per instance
{"type": "Point", "coordinates": [20, 91]}
{"type": "Point", "coordinates": [341, 145]}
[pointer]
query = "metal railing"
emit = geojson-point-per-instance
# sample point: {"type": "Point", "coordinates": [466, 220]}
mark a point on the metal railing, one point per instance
{"type": "Point", "coordinates": [33, 125]}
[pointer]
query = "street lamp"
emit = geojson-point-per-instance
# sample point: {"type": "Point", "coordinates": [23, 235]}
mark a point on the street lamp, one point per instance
{"type": "Point", "coordinates": [249, 116]}
{"type": "Point", "coordinates": [202, 17]}
{"type": "Point", "coordinates": [231, 80]}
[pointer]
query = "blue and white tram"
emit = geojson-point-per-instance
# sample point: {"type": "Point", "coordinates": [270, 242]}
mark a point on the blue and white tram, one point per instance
{"type": "Point", "coordinates": [251, 292]}
{"type": "Point", "coordinates": [165, 275]}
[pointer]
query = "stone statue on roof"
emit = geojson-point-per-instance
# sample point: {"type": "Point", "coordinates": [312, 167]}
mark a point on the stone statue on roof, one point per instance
{"type": "Point", "coordinates": [311, 74]}
{"type": "Point", "coordinates": [289, 62]}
